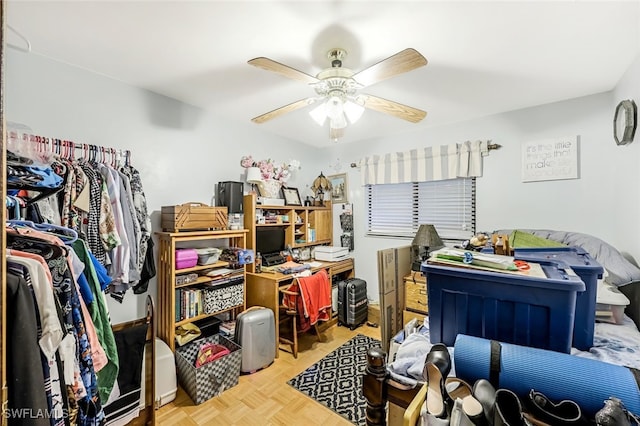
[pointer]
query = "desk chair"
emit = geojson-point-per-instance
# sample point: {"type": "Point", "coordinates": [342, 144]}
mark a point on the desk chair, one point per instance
{"type": "Point", "coordinates": [292, 309]}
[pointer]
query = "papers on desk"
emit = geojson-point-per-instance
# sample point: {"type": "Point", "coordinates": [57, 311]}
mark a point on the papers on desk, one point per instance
{"type": "Point", "coordinates": [292, 267]}
{"type": "Point", "coordinates": [313, 264]}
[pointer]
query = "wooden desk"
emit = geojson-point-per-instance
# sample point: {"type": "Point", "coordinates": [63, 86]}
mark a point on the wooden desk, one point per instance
{"type": "Point", "coordinates": [263, 289]}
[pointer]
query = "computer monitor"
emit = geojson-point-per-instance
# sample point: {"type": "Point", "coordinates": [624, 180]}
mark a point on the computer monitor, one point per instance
{"type": "Point", "coordinates": [269, 240]}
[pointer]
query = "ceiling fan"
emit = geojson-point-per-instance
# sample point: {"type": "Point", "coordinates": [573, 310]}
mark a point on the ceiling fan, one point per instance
{"type": "Point", "coordinates": [337, 89]}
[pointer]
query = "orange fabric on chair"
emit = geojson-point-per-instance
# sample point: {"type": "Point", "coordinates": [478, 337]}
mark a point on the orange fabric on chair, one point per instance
{"type": "Point", "coordinates": [315, 303]}
{"type": "Point", "coordinates": [316, 296]}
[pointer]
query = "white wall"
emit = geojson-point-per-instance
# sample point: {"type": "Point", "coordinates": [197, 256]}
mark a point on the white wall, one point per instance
{"type": "Point", "coordinates": [603, 202]}
{"type": "Point", "coordinates": [180, 151]}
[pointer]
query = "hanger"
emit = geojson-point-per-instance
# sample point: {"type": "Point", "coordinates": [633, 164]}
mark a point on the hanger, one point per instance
{"type": "Point", "coordinates": [43, 192]}
{"type": "Point", "coordinates": [67, 235]}
{"type": "Point", "coordinates": [14, 203]}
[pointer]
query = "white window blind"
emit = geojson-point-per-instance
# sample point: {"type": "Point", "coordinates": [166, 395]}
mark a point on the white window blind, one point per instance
{"type": "Point", "coordinates": [396, 210]}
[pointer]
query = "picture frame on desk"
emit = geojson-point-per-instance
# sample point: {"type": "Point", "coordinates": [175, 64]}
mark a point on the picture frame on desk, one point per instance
{"type": "Point", "coordinates": [291, 196]}
{"type": "Point", "coordinates": [339, 189]}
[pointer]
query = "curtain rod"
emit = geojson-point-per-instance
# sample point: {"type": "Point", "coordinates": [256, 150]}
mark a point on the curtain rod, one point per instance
{"type": "Point", "coordinates": [490, 146]}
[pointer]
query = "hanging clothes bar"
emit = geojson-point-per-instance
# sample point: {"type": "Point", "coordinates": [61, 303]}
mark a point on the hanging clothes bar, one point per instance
{"type": "Point", "coordinates": [68, 149]}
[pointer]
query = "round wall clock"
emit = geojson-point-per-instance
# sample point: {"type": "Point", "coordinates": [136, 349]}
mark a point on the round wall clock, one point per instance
{"type": "Point", "coordinates": [624, 122]}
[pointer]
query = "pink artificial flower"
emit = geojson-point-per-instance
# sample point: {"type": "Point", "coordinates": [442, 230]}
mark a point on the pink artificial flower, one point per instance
{"type": "Point", "coordinates": [269, 170]}
{"type": "Point", "coordinates": [247, 161]}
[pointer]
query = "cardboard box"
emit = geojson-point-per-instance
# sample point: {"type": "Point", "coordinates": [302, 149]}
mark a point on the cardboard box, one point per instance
{"type": "Point", "coordinates": [409, 315]}
{"type": "Point", "coordinates": [393, 265]}
{"type": "Point", "coordinates": [374, 313]}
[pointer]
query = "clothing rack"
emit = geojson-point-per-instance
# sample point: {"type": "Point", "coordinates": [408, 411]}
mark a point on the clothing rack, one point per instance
{"type": "Point", "coordinates": [67, 149]}
{"type": "Point", "coordinates": [148, 415]}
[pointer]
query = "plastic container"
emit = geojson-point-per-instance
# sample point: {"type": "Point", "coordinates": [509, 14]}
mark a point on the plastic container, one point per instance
{"type": "Point", "coordinates": [236, 221]}
{"type": "Point", "coordinates": [186, 258]}
{"type": "Point", "coordinates": [611, 303]}
{"type": "Point", "coordinates": [519, 309]}
{"type": "Point", "coordinates": [166, 381]}
{"type": "Point", "coordinates": [207, 256]}
{"type": "Point", "coordinates": [589, 271]}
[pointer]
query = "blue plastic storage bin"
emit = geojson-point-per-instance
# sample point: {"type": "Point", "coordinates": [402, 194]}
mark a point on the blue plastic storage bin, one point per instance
{"type": "Point", "coordinates": [519, 309]}
{"type": "Point", "coordinates": [589, 271]}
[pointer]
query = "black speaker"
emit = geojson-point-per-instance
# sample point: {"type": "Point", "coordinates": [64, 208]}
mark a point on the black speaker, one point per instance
{"type": "Point", "coordinates": [230, 195]}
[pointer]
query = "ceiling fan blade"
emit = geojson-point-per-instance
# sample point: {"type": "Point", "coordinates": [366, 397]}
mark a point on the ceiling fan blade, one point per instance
{"type": "Point", "coordinates": [283, 110]}
{"type": "Point", "coordinates": [284, 70]}
{"type": "Point", "coordinates": [404, 61]}
{"type": "Point", "coordinates": [405, 112]}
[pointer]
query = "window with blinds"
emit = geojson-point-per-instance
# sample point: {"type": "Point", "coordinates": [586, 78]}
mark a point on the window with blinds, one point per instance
{"type": "Point", "coordinates": [396, 210]}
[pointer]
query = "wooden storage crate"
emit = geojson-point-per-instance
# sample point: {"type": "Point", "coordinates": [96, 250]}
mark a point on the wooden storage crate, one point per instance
{"type": "Point", "coordinates": [193, 216]}
{"type": "Point", "coordinates": [415, 292]}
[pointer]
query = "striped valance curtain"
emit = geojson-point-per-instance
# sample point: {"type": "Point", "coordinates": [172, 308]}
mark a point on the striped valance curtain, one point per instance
{"type": "Point", "coordinates": [425, 164]}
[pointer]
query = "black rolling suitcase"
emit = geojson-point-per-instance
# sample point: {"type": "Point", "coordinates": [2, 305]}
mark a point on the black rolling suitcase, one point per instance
{"type": "Point", "coordinates": [352, 302]}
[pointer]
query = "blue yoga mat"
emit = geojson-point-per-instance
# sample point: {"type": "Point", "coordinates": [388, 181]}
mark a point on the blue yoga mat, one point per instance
{"type": "Point", "coordinates": [557, 375]}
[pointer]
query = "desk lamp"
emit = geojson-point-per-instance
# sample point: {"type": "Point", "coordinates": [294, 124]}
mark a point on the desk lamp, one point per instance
{"type": "Point", "coordinates": [254, 177]}
{"type": "Point", "coordinates": [320, 186]}
{"type": "Point", "coordinates": [425, 240]}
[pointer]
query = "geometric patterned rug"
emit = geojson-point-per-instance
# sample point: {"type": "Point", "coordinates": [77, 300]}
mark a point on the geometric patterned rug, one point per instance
{"type": "Point", "coordinates": [336, 380]}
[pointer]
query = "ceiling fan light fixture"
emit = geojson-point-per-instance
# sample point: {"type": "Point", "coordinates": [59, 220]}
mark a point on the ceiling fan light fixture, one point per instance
{"type": "Point", "coordinates": [335, 107]}
{"type": "Point", "coordinates": [337, 89]}
{"type": "Point", "coordinates": [339, 122]}
{"type": "Point", "coordinates": [353, 111]}
{"type": "Point", "coordinates": [319, 114]}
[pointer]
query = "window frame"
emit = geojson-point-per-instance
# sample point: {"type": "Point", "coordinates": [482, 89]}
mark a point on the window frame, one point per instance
{"type": "Point", "coordinates": [462, 191]}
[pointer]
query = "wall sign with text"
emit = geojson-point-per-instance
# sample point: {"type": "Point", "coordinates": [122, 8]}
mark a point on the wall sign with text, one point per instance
{"type": "Point", "coordinates": [550, 159]}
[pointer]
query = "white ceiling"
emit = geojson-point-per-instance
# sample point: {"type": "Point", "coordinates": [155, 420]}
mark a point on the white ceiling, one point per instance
{"type": "Point", "coordinates": [484, 57]}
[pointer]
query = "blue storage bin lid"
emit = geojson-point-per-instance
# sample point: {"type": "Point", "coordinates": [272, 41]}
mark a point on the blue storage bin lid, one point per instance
{"type": "Point", "coordinates": [559, 275]}
{"type": "Point", "coordinates": [576, 257]}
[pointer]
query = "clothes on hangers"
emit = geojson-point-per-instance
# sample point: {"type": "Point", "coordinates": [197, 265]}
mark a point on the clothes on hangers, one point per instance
{"type": "Point", "coordinates": [100, 315]}
{"type": "Point", "coordinates": [115, 222]}
{"type": "Point", "coordinates": [25, 377]}
{"type": "Point", "coordinates": [75, 351]}
{"type": "Point", "coordinates": [91, 239]}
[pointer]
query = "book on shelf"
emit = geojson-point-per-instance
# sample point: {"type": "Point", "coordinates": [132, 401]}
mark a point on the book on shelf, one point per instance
{"type": "Point", "coordinates": [189, 303]}
{"type": "Point", "coordinates": [220, 272]}
{"type": "Point", "coordinates": [234, 279]}
{"type": "Point", "coordinates": [228, 328]}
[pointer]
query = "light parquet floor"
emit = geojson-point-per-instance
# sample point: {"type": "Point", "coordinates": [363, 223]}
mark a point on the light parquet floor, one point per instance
{"type": "Point", "coordinates": [265, 398]}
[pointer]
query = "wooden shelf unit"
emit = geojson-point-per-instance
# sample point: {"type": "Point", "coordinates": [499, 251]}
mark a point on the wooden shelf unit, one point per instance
{"type": "Point", "coordinates": [169, 242]}
{"type": "Point", "coordinates": [300, 220]}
